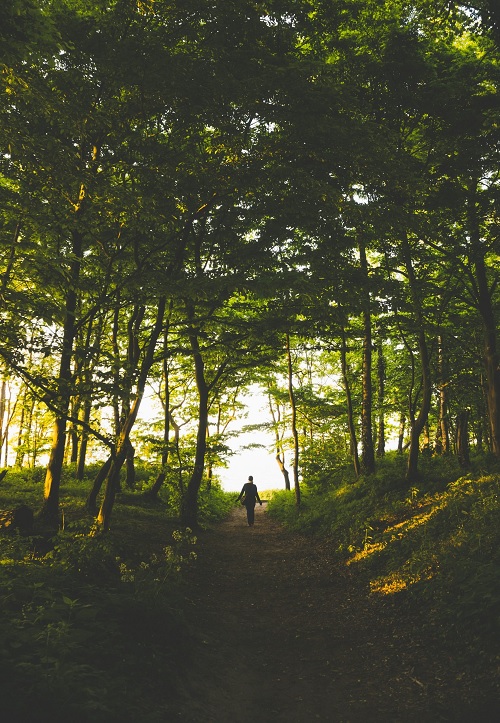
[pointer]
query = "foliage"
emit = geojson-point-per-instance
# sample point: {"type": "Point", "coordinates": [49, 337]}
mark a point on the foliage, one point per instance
{"type": "Point", "coordinates": [90, 606]}
{"type": "Point", "coordinates": [214, 503]}
{"type": "Point", "coordinates": [436, 545]}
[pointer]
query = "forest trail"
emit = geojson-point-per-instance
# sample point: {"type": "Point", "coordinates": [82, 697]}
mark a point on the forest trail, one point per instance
{"type": "Point", "coordinates": [283, 633]}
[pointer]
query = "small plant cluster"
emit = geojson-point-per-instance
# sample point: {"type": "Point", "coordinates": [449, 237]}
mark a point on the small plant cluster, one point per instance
{"type": "Point", "coordinates": [82, 609]}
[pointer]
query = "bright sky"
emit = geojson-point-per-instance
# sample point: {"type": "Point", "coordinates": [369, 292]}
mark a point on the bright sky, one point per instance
{"type": "Point", "coordinates": [259, 462]}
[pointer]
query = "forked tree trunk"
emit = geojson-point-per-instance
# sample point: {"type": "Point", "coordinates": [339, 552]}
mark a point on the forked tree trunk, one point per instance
{"type": "Point", "coordinates": [280, 454]}
{"type": "Point", "coordinates": [123, 443]}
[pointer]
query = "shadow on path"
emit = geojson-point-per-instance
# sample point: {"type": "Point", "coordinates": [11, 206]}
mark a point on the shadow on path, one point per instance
{"type": "Point", "coordinates": [283, 633]}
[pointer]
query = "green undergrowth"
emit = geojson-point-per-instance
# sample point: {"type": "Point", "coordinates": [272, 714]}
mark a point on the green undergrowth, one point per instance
{"type": "Point", "coordinates": [92, 625]}
{"type": "Point", "coordinates": [435, 545]}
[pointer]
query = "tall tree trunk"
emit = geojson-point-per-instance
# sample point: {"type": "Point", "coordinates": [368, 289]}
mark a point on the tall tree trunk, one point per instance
{"type": "Point", "coordinates": [295, 434]}
{"type": "Point", "coordinates": [442, 444]}
{"type": "Point", "coordinates": [130, 466]}
{"type": "Point", "coordinates": [367, 451]}
{"type": "Point", "coordinates": [3, 420]}
{"type": "Point", "coordinates": [486, 311]}
{"type": "Point", "coordinates": [84, 439]}
{"type": "Point", "coordinates": [401, 433]}
{"type": "Point", "coordinates": [462, 439]}
{"type": "Point", "coordinates": [417, 424]}
{"type": "Point", "coordinates": [86, 395]}
{"type": "Point", "coordinates": [490, 354]}
{"type": "Point", "coordinates": [350, 412]}
{"type": "Point", "coordinates": [189, 506]}
{"type": "Point", "coordinates": [160, 479]}
{"type": "Point", "coordinates": [381, 372]}
{"type": "Point", "coordinates": [10, 414]}
{"type": "Point", "coordinates": [50, 508]}
{"type": "Point", "coordinates": [20, 451]}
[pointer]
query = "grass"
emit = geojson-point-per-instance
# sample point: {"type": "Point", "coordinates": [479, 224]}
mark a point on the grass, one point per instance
{"type": "Point", "coordinates": [92, 627]}
{"type": "Point", "coordinates": [435, 546]}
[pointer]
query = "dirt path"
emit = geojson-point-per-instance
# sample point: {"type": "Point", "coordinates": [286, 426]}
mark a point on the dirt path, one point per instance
{"type": "Point", "coordinates": [284, 635]}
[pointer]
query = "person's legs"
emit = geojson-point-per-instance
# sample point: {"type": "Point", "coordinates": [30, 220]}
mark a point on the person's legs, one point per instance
{"type": "Point", "coordinates": [250, 514]}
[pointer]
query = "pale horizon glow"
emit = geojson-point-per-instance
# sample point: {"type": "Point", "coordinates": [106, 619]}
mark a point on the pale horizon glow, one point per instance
{"type": "Point", "coordinates": [259, 461]}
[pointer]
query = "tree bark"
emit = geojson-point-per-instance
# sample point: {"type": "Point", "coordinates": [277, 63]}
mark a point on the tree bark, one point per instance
{"type": "Point", "coordinates": [417, 424]}
{"type": "Point", "coordinates": [91, 502]}
{"type": "Point", "coordinates": [381, 372]}
{"type": "Point", "coordinates": [486, 311]}
{"type": "Point", "coordinates": [462, 439]}
{"type": "Point", "coordinates": [160, 479]}
{"type": "Point", "coordinates": [50, 508]}
{"type": "Point", "coordinates": [442, 444]}
{"type": "Point", "coordinates": [295, 434]}
{"type": "Point", "coordinates": [367, 451]}
{"type": "Point", "coordinates": [350, 413]}
{"type": "Point", "coordinates": [189, 506]}
{"type": "Point", "coordinates": [401, 433]}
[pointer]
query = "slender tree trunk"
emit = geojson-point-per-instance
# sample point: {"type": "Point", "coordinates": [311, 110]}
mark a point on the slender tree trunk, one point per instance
{"type": "Point", "coordinates": [418, 423]}
{"type": "Point", "coordinates": [353, 442]}
{"type": "Point", "coordinates": [10, 262]}
{"type": "Point", "coordinates": [84, 440]}
{"type": "Point", "coordinates": [401, 433]}
{"type": "Point", "coordinates": [486, 311]}
{"type": "Point", "coordinates": [21, 432]}
{"type": "Point", "coordinates": [86, 374]}
{"type": "Point", "coordinates": [381, 372]}
{"type": "Point", "coordinates": [442, 445]}
{"type": "Point", "coordinates": [3, 420]}
{"type": "Point", "coordinates": [295, 435]}
{"type": "Point", "coordinates": [491, 359]}
{"type": "Point", "coordinates": [50, 508]}
{"type": "Point", "coordinates": [368, 454]}
{"type": "Point", "coordinates": [130, 466]}
{"type": "Point", "coordinates": [91, 502]}
{"type": "Point", "coordinates": [462, 439]}
{"type": "Point", "coordinates": [73, 436]}
{"type": "Point", "coordinates": [160, 479]}
{"type": "Point", "coordinates": [4, 440]}
{"type": "Point", "coordinates": [189, 507]}
{"type": "Point", "coordinates": [280, 454]}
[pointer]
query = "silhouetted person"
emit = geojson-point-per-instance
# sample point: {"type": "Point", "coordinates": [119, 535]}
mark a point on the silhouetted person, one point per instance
{"type": "Point", "coordinates": [250, 497]}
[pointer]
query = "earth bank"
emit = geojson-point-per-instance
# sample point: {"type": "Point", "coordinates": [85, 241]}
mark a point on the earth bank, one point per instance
{"type": "Point", "coordinates": [284, 633]}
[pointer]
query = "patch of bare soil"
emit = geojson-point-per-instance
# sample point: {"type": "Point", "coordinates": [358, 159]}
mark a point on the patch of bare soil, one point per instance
{"type": "Point", "coordinates": [284, 633]}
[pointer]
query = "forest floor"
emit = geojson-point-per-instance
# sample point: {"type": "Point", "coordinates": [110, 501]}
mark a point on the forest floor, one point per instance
{"type": "Point", "coordinates": [283, 632]}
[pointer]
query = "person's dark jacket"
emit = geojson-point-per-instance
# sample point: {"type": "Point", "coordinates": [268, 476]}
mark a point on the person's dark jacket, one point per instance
{"type": "Point", "coordinates": [249, 495]}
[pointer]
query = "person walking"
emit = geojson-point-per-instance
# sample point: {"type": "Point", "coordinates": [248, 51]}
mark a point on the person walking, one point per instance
{"type": "Point", "coordinates": [249, 497]}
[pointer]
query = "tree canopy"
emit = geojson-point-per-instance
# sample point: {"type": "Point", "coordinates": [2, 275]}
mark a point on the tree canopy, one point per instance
{"type": "Point", "coordinates": [204, 196]}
